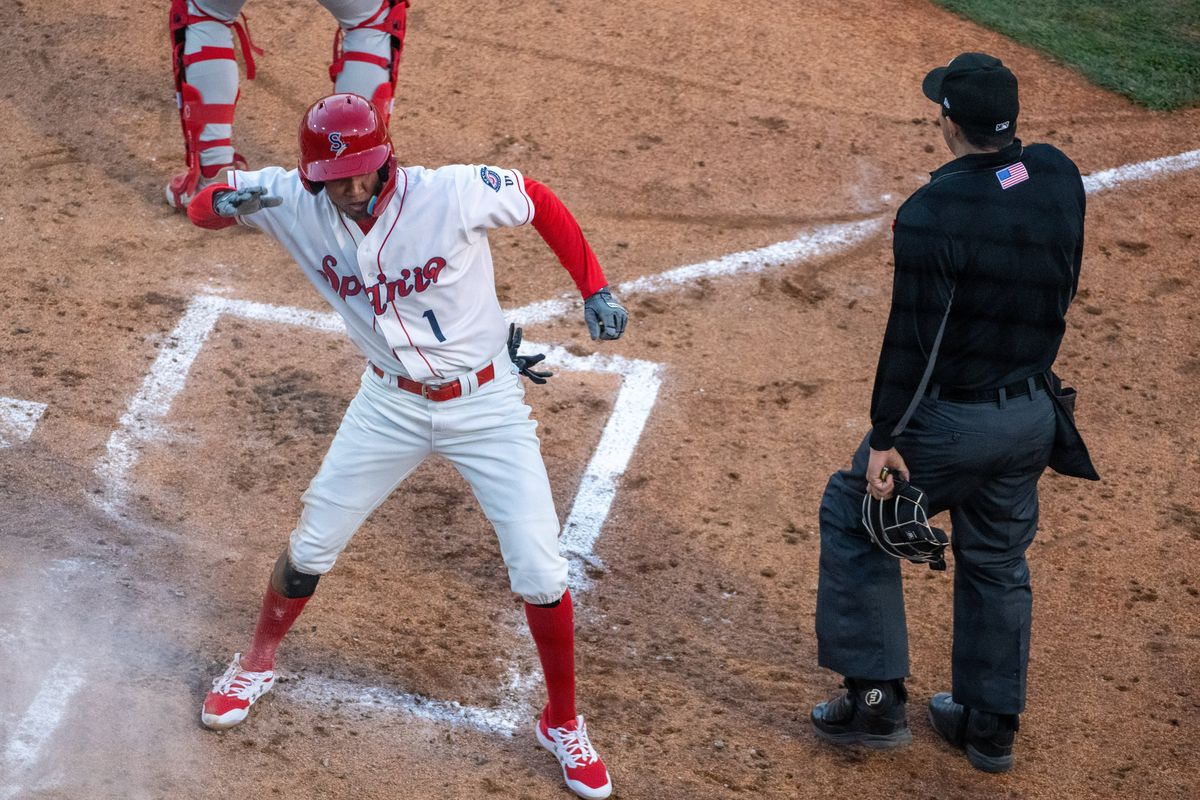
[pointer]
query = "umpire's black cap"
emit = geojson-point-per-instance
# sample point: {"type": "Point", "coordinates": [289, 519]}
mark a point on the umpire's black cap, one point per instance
{"type": "Point", "coordinates": [975, 89]}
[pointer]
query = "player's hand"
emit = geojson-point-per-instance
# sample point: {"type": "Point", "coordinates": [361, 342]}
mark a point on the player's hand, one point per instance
{"type": "Point", "coordinates": [525, 363]}
{"type": "Point", "coordinates": [240, 202]}
{"type": "Point", "coordinates": [605, 317]}
{"type": "Point", "coordinates": [880, 467]}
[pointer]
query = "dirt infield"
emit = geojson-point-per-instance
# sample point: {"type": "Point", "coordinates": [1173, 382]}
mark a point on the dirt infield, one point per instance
{"type": "Point", "coordinates": [163, 403]}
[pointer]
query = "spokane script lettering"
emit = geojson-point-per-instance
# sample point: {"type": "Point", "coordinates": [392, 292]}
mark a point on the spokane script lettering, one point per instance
{"type": "Point", "coordinates": [384, 292]}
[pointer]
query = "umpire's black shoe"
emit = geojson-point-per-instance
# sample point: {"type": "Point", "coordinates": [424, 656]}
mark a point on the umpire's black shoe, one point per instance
{"type": "Point", "coordinates": [987, 738]}
{"type": "Point", "coordinates": [870, 713]}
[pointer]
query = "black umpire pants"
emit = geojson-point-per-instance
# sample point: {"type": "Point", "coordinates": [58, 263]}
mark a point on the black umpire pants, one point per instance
{"type": "Point", "coordinates": [980, 461]}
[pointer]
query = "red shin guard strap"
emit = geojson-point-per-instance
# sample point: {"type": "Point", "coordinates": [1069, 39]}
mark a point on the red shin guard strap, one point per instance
{"type": "Point", "coordinates": [210, 54]}
{"type": "Point", "coordinates": [274, 620]}
{"type": "Point", "coordinates": [553, 632]}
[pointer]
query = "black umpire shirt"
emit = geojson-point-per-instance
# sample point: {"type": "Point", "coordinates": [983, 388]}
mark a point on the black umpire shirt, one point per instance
{"type": "Point", "coordinates": [993, 243]}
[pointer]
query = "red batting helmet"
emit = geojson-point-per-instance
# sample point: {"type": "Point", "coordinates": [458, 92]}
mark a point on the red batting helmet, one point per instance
{"type": "Point", "coordinates": [341, 136]}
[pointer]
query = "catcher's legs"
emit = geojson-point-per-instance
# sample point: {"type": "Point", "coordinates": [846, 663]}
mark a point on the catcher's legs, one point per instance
{"type": "Point", "coordinates": [206, 83]}
{"type": "Point", "coordinates": [861, 628]}
{"type": "Point", "coordinates": [367, 48]}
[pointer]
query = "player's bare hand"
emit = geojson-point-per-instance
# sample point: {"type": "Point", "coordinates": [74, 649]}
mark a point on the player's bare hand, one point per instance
{"type": "Point", "coordinates": [605, 317]}
{"type": "Point", "coordinates": [240, 202]}
{"type": "Point", "coordinates": [525, 363]}
{"type": "Point", "coordinates": [880, 467]}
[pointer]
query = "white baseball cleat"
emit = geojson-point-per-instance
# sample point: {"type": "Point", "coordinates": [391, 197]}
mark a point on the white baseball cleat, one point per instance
{"type": "Point", "coordinates": [582, 768]}
{"type": "Point", "coordinates": [233, 693]}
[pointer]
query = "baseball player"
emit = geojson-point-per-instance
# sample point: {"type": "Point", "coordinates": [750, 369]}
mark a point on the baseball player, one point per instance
{"type": "Point", "coordinates": [402, 254]}
{"type": "Point", "coordinates": [366, 59]}
{"type": "Point", "coordinates": [987, 261]}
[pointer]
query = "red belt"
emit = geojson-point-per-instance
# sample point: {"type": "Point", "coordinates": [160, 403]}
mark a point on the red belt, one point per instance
{"type": "Point", "coordinates": [439, 393]}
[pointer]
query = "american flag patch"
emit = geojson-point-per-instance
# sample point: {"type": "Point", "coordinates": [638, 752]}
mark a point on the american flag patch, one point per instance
{"type": "Point", "coordinates": [1011, 176]}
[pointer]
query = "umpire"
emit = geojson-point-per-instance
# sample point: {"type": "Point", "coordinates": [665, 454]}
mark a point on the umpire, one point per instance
{"type": "Point", "coordinates": [987, 259]}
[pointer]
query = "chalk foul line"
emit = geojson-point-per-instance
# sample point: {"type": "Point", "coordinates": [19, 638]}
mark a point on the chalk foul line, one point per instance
{"type": "Point", "coordinates": [819, 242]}
{"type": "Point", "coordinates": [37, 725]}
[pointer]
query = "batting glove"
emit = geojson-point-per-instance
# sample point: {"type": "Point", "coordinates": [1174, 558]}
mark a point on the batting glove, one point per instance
{"type": "Point", "coordinates": [525, 363]}
{"type": "Point", "coordinates": [240, 202]}
{"type": "Point", "coordinates": [605, 317]}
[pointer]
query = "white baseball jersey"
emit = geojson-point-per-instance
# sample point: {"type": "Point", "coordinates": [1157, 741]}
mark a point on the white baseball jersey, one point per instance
{"type": "Point", "coordinates": [418, 291]}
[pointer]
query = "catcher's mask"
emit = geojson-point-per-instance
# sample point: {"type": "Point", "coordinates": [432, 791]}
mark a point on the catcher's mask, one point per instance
{"type": "Point", "coordinates": [900, 526]}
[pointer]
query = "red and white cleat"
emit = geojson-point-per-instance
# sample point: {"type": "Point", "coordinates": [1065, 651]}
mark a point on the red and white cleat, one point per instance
{"type": "Point", "coordinates": [582, 768]}
{"type": "Point", "coordinates": [179, 194]}
{"type": "Point", "coordinates": [233, 693]}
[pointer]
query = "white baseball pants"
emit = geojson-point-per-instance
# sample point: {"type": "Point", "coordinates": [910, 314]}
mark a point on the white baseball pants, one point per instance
{"type": "Point", "coordinates": [487, 435]}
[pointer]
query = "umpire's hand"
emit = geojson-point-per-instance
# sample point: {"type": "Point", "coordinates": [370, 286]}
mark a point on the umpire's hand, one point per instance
{"type": "Point", "coordinates": [605, 317]}
{"type": "Point", "coordinates": [880, 467]}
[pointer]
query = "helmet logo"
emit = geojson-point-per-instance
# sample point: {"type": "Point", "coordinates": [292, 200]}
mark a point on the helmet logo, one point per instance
{"type": "Point", "coordinates": [336, 145]}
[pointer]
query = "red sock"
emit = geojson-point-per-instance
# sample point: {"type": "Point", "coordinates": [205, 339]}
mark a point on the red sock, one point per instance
{"type": "Point", "coordinates": [553, 632]}
{"type": "Point", "coordinates": [276, 617]}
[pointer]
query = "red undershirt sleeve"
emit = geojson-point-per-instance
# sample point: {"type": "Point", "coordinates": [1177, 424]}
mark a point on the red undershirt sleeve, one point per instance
{"type": "Point", "coordinates": [200, 210]}
{"type": "Point", "coordinates": [554, 223]}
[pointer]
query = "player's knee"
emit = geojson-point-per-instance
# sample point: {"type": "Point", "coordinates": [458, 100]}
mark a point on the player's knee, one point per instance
{"type": "Point", "coordinates": [311, 561]}
{"type": "Point", "coordinates": [226, 10]}
{"type": "Point", "coordinates": [290, 581]}
{"type": "Point", "coordinates": [367, 49]}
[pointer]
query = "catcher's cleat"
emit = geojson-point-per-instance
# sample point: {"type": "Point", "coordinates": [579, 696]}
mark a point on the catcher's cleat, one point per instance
{"type": "Point", "coordinates": [179, 193]}
{"type": "Point", "coordinates": [233, 693]}
{"type": "Point", "coordinates": [986, 738]}
{"type": "Point", "coordinates": [582, 768]}
{"type": "Point", "coordinates": [870, 713]}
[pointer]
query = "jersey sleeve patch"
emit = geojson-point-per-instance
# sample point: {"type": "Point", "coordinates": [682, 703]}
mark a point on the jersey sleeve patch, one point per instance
{"type": "Point", "coordinates": [491, 178]}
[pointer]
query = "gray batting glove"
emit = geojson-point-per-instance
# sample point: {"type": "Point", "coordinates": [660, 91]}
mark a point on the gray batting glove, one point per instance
{"type": "Point", "coordinates": [240, 202]}
{"type": "Point", "coordinates": [605, 317]}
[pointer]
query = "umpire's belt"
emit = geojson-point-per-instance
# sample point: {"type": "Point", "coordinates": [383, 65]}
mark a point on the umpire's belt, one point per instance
{"type": "Point", "coordinates": [440, 391]}
{"type": "Point", "coordinates": [1021, 388]}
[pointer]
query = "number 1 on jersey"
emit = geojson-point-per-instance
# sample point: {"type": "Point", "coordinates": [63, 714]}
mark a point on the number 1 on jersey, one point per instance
{"type": "Point", "coordinates": [433, 323]}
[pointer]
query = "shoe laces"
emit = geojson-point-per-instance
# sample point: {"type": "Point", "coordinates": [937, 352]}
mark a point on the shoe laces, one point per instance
{"type": "Point", "coordinates": [237, 682]}
{"type": "Point", "coordinates": [575, 746]}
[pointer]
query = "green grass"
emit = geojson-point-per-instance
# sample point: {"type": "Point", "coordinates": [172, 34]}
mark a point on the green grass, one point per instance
{"type": "Point", "coordinates": [1147, 50]}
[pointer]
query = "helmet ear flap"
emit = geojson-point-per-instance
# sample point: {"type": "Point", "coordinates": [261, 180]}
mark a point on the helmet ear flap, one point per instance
{"type": "Point", "coordinates": [314, 187]}
{"type": "Point", "coordinates": [388, 174]}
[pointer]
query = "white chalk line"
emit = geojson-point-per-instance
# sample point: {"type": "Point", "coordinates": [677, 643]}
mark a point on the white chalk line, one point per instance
{"type": "Point", "coordinates": [142, 419]}
{"type": "Point", "coordinates": [822, 241]}
{"type": "Point", "coordinates": [18, 418]}
{"type": "Point", "coordinates": [640, 383]}
{"type": "Point", "coordinates": [504, 720]}
{"type": "Point", "coordinates": [38, 724]}
{"type": "Point", "coordinates": [1143, 170]}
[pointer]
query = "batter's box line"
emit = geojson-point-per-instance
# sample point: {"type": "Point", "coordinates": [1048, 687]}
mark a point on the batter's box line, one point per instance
{"type": "Point", "coordinates": [18, 418]}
